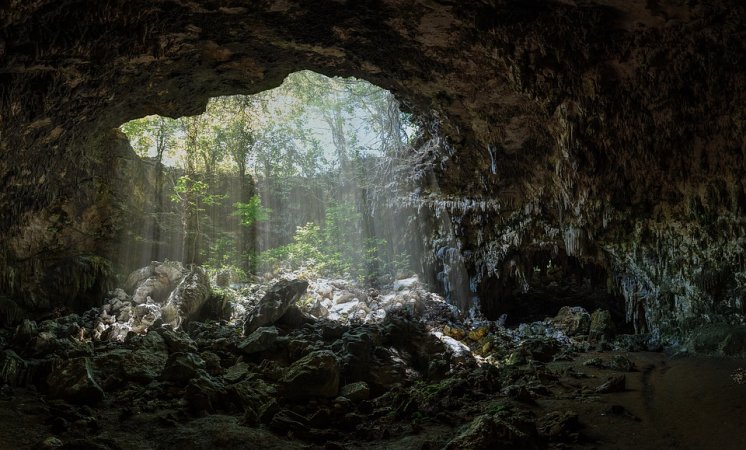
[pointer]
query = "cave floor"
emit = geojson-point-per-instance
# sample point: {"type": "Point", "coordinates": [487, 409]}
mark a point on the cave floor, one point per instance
{"type": "Point", "coordinates": [686, 402]}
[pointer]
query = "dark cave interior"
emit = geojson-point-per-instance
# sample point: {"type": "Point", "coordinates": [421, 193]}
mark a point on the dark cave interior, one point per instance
{"type": "Point", "coordinates": [573, 209]}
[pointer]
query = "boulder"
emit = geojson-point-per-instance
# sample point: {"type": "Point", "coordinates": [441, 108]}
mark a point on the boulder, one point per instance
{"type": "Point", "coordinates": [170, 272]}
{"type": "Point", "coordinates": [315, 375]}
{"type": "Point", "coordinates": [477, 334]}
{"type": "Point", "coordinates": [601, 327]}
{"type": "Point", "coordinates": [406, 283]}
{"type": "Point", "coordinates": [204, 394]}
{"type": "Point", "coordinates": [182, 367]}
{"type": "Point", "coordinates": [236, 372]}
{"type": "Point", "coordinates": [49, 443]}
{"type": "Point", "coordinates": [143, 364]}
{"type": "Point", "coordinates": [13, 369]}
{"type": "Point", "coordinates": [621, 363]}
{"type": "Point", "coordinates": [143, 317]}
{"type": "Point", "coordinates": [187, 299]}
{"type": "Point", "coordinates": [26, 331]}
{"type": "Point", "coordinates": [294, 317]}
{"type": "Point", "coordinates": [10, 313]}
{"type": "Point", "coordinates": [147, 361]}
{"type": "Point", "coordinates": [719, 339]}
{"type": "Point", "coordinates": [177, 341]}
{"type": "Point", "coordinates": [325, 291]}
{"type": "Point", "coordinates": [488, 432]}
{"type": "Point", "coordinates": [213, 363]}
{"type": "Point", "coordinates": [540, 349]}
{"type": "Point", "coordinates": [572, 320]}
{"type": "Point", "coordinates": [275, 304]}
{"type": "Point", "coordinates": [454, 332]}
{"type": "Point", "coordinates": [223, 431]}
{"type": "Point", "coordinates": [218, 307]}
{"type": "Point", "coordinates": [260, 340]}
{"type": "Point", "coordinates": [344, 297]}
{"type": "Point", "coordinates": [137, 277]}
{"type": "Point", "coordinates": [257, 398]}
{"type": "Point", "coordinates": [318, 310]}
{"type": "Point", "coordinates": [356, 391]}
{"type": "Point", "coordinates": [154, 287]}
{"type": "Point", "coordinates": [73, 380]}
{"type": "Point", "coordinates": [287, 421]}
{"type": "Point", "coordinates": [615, 383]}
{"type": "Point", "coordinates": [60, 337]}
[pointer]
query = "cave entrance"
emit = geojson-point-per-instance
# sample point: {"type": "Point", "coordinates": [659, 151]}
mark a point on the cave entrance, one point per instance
{"type": "Point", "coordinates": [297, 181]}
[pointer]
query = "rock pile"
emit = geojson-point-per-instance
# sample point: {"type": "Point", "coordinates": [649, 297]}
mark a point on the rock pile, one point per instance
{"type": "Point", "coordinates": [275, 372]}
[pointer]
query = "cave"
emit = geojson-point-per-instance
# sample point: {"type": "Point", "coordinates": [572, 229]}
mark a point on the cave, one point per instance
{"type": "Point", "coordinates": [572, 209]}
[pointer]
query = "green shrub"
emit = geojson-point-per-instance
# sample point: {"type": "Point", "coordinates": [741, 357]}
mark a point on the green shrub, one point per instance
{"type": "Point", "coordinates": [339, 248]}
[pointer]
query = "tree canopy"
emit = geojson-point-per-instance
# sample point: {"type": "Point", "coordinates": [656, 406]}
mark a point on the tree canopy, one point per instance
{"type": "Point", "coordinates": [304, 154]}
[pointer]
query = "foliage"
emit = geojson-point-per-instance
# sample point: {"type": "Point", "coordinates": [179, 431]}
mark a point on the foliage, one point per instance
{"type": "Point", "coordinates": [252, 211]}
{"type": "Point", "coordinates": [196, 192]}
{"type": "Point", "coordinates": [339, 248]}
{"type": "Point", "coordinates": [151, 135]}
{"type": "Point", "coordinates": [313, 149]}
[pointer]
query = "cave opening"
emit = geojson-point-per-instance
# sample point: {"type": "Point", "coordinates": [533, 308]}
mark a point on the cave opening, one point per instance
{"type": "Point", "coordinates": [308, 180]}
{"type": "Point", "coordinates": [305, 163]}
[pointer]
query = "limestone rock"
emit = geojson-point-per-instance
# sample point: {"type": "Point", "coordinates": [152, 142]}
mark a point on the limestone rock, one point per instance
{"type": "Point", "coordinates": [73, 381]}
{"type": "Point", "coordinates": [257, 398]}
{"type": "Point", "coordinates": [274, 304]}
{"type": "Point", "coordinates": [294, 317]}
{"type": "Point", "coordinates": [236, 372]}
{"type": "Point", "coordinates": [25, 332]}
{"type": "Point", "coordinates": [477, 334]}
{"type": "Point", "coordinates": [260, 340]}
{"type": "Point", "coordinates": [223, 431]}
{"type": "Point", "coordinates": [13, 369]}
{"type": "Point", "coordinates": [142, 364]}
{"type": "Point", "coordinates": [722, 339]}
{"type": "Point", "coordinates": [10, 313]}
{"type": "Point", "coordinates": [49, 444]}
{"type": "Point", "coordinates": [601, 326]}
{"type": "Point", "coordinates": [182, 367]}
{"type": "Point", "coordinates": [170, 272]}
{"type": "Point", "coordinates": [154, 288]}
{"type": "Point", "coordinates": [540, 349]}
{"type": "Point", "coordinates": [616, 383]}
{"type": "Point", "coordinates": [204, 394]}
{"type": "Point", "coordinates": [187, 299]}
{"type": "Point", "coordinates": [343, 297]}
{"type": "Point", "coordinates": [137, 277]}
{"type": "Point", "coordinates": [406, 283]}
{"type": "Point", "coordinates": [356, 391]}
{"type": "Point", "coordinates": [572, 320]}
{"type": "Point", "coordinates": [489, 432]}
{"type": "Point", "coordinates": [177, 341]}
{"type": "Point", "coordinates": [454, 332]}
{"type": "Point", "coordinates": [315, 375]}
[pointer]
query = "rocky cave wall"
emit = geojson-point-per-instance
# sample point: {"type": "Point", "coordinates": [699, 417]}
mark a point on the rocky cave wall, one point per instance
{"type": "Point", "coordinates": [606, 133]}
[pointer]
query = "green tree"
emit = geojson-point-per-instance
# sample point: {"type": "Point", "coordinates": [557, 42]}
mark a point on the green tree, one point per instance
{"type": "Point", "coordinates": [153, 135]}
{"type": "Point", "coordinates": [251, 212]}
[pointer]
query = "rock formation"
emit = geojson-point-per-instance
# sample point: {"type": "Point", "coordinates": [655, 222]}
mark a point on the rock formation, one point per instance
{"type": "Point", "coordinates": [604, 136]}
